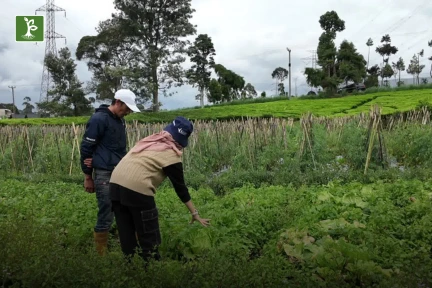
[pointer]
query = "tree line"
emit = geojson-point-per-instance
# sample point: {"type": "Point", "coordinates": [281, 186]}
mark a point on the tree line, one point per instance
{"type": "Point", "coordinates": [346, 64]}
{"type": "Point", "coordinates": [143, 45]}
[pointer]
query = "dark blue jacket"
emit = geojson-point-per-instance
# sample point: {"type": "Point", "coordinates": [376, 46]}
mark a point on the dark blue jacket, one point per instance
{"type": "Point", "coordinates": [104, 140]}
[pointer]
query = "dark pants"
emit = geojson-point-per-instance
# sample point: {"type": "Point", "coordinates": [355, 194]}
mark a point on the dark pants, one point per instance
{"type": "Point", "coordinates": [105, 216]}
{"type": "Point", "coordinates": [138, 222]}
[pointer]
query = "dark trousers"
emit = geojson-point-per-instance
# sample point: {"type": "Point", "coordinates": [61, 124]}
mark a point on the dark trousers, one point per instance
{"type": "Point", "coordinates": [105, 217]}
{"type": "Point", "coordinates": [138, 223]}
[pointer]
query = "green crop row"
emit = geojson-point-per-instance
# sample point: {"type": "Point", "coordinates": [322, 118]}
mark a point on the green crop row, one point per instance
{"type": "Point", "coordinates": [376, 235]}
{"type": "Point", "coordinates": [393, 101]}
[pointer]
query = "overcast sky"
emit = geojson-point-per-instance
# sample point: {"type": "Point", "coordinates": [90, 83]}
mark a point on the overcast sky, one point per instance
{"type": "Point", "coordinates": [250, 37]}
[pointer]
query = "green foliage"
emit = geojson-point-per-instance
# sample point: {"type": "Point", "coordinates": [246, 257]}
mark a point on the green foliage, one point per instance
{"type": "Point", "coordinates": [67, 98]}
{"type": "Point", "coordinates": [351, 64]}
{"type": "Point", "coordinates": [215, 91]}
{"type": "Point", "coordinates": [337, 235]}
{"type": "Point", "coordinates": [386, 49]}
{"type": "Point", "coordinates": [280, 74]}
{"type": "Point", "coordinates": [109, 57]}
{"type": "Point", "coordinates": [331, 23]}
{"type": "Point", "coordinates": [230, 82]}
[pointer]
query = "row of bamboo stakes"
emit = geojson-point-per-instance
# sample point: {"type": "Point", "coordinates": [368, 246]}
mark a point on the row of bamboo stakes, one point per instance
{"type": "Point", "coordinates": [216, 131]}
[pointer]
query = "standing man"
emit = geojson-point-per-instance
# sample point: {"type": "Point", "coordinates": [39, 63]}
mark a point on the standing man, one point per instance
{"type": "Point", "coordinates": [102, 147]}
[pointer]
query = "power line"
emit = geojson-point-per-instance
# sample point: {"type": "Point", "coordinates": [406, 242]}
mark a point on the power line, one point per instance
{"type": "Point", "coordinates": [373, 18]}
{"type": "Point", "coordinates": [76, 26]}
{"type": "Point", "coordinates": [398, 23]}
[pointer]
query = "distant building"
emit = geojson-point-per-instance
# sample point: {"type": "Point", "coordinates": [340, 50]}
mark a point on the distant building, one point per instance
{"type": "Point", "coordinates": [5, 113]}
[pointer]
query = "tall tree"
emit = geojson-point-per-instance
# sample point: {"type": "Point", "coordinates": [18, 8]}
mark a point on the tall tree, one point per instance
{"type": "Point", "coordinates": [369, 43]}
{"type": "Point", "coordinates": [399, 66]}
{"type": "Point", "coordinates": [28, 107]}
{"type": "Point", "coordinates": [414, 68]}
{"type": "Point", "coordinates": [68, 94]}
{"type": "Point", "coordinates": [280, 74]}
{"type": "Point", "coordinates": [327, 53]}
{"type": "Point", "coordinates": [419, 54]}
{"type": "Point", "coordinates": [430, 58]}
{"type": "Point", "coordinates": [158, 29]}
{"type": "Point", "coordinates": [385, 50]}
{"type": "Point", "coordinates": [202, 54]}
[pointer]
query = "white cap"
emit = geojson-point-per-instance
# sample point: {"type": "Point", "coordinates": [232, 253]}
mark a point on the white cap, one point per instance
{"type": "Point", "coordinates": [127, 97]}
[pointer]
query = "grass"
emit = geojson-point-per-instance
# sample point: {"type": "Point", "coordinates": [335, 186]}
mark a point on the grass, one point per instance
{"type": "Point", "coordinates": [395, 100]}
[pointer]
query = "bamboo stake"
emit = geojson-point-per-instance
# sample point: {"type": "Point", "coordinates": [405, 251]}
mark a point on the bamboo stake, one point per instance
{"type": "Point", "coordinates": [30, 148]}
{"type": "Point", "coordinates": [73, 148]}
{"type": "Point", "coordinates": [371, 141]}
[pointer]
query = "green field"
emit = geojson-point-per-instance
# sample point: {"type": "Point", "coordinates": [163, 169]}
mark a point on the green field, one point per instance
{"type": "Point", "coordinates": [350, 235]}
{"type": "Point", "coordinates": [290, 204]}
{"type": "Point", "coordinates": [390, 101]}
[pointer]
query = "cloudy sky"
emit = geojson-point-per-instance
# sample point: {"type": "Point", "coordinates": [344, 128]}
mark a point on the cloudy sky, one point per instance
{"type": "Point", "coordinates": [250, 37]}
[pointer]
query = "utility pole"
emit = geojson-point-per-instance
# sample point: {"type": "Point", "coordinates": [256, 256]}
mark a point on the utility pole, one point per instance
{"type": "Point", "coordinates": [50, 45]}
{"type": "Point", "coordinates": [289, 72]}
{"type": "Point", "coordinates": [13, 98]}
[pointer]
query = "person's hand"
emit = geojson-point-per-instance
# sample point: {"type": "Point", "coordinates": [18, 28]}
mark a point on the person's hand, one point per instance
{"type": "Point", "coordinates": [89, 185]}
{"type": "Point", "coordinates": [204, 222]}
{"type": "Point", "coordinates": [88, 162]}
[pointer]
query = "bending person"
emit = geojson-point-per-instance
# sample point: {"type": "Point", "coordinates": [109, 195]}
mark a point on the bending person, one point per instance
{"type": "Point", "coordinates": [134, 182]}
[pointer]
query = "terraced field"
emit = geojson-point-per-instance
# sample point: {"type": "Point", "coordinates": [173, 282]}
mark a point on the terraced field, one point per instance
{"type": "Point", "coordinates": [392, 101]}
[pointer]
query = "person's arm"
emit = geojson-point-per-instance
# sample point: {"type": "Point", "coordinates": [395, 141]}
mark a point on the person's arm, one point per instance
{"type": "Point", "coordinates": [175, 173]}
{"type": "Point", "coordinates": [95, 129]}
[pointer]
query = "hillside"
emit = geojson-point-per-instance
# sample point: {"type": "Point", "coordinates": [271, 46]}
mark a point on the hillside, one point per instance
{"type": "Point", "coordinates": [391, 102]}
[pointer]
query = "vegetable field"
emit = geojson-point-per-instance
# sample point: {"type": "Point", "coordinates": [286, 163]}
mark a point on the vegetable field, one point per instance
{"type": "Point", "coordinates": [391, 102]}
{"type": "Point", "coordinates": [321, 202]}
{"type": "Point", "coordinates": [334, 235]}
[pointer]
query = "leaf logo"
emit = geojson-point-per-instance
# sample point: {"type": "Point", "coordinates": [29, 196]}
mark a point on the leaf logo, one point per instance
{"type": "Point", "coordinates": [30, 27]}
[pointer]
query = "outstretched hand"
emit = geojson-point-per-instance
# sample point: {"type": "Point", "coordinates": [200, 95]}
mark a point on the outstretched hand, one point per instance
{"type": "Point", "coordinates": [204, 222]}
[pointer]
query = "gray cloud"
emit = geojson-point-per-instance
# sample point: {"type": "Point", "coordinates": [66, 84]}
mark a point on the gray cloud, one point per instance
{"type": "Point", "coordinates": [250, 37]}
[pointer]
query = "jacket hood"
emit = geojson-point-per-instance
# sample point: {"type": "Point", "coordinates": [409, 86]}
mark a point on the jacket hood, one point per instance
{"type": "Point", "coordinates": [103, 108]}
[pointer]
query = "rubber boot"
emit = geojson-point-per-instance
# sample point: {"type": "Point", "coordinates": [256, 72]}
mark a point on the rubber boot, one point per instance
{"type": "Point", "coordinates": [101, 240]}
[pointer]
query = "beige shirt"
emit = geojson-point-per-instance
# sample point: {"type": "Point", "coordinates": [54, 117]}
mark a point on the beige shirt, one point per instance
{"type": "Point", "coordinates": [142, 172]}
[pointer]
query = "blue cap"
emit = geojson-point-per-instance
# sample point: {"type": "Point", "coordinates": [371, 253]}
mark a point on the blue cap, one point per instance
{"type": "Point", "coordinates": [180, 129]}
